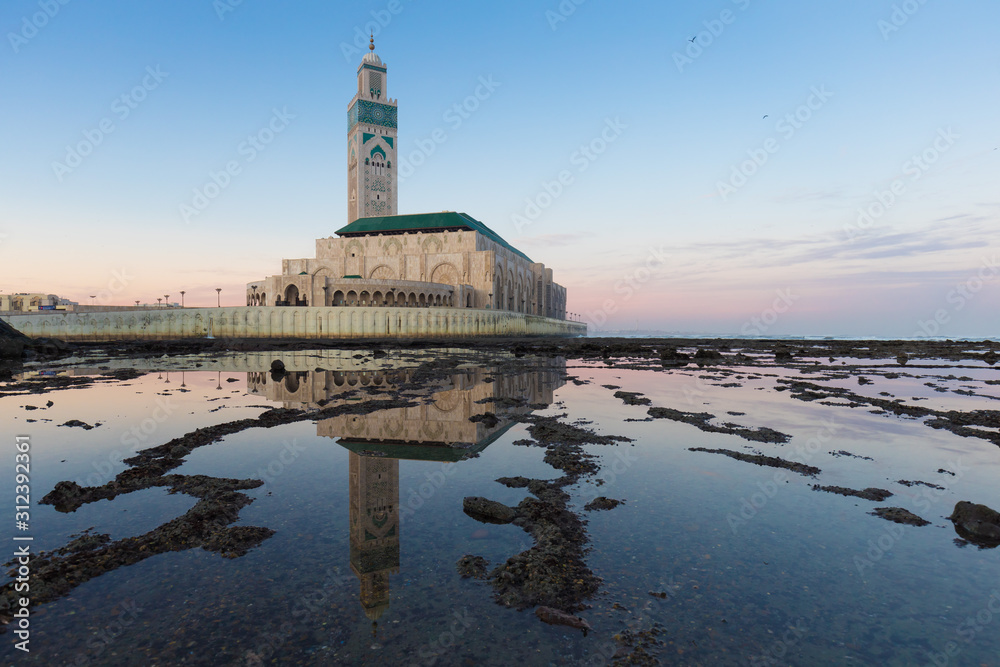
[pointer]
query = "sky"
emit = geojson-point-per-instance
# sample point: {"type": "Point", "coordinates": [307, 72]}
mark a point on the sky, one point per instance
{"type": "Point", "coordinates": [825, 168]}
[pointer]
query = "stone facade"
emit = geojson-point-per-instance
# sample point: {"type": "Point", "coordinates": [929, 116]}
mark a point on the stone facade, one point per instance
{"type": "Point", "coordinates": [459, 269]}
{"type": "Point", "coordinates": [383, 259]}
{"type": "Point", "coordinates": [302, 322]}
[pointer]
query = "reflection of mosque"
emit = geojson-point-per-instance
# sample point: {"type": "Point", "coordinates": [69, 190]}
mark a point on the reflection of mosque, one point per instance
{"type": "Point", "coordinates": [437, 430]}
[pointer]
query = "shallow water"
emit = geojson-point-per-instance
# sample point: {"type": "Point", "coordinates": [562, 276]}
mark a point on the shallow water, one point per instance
{"type": "Point", "coordinates": [751, 564]}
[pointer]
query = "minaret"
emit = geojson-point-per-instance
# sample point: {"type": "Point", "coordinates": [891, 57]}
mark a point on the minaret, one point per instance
{"type": "Point", "coordinates": [371, 143]}
{"type": "Point", "coordinates": [374, 516]}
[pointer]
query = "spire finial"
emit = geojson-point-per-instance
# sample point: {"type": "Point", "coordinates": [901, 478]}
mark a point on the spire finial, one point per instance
{"type": "Point", "coordinates": [371, 44]}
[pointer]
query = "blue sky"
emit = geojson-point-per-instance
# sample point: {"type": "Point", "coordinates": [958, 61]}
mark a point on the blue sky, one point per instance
{"type": "Point", "coordinates": [657, 224]}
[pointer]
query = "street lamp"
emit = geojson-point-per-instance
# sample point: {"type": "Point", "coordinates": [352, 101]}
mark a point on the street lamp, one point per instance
{"type": "Point", "coordinates": [166, 300]}
{"type": "Point", "coordinates": [92, 297]}
{"type": "Point", "coordinates": [218, 294]}
{"type": "Point", "coordinates": [137, 303]}
{"type": "Point", "coordinates": [182, 298]}
{"type": "Point", "coordinates": [158, 300]}
{"type": "Point", "coordinates": [326, 289]}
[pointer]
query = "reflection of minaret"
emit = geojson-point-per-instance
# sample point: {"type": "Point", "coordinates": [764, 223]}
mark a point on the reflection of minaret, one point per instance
{"type": "Point", "coordinates": [374, 487]}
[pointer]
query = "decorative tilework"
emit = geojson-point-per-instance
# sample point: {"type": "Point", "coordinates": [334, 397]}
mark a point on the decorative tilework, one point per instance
{"type": "Point", "coordinates": [372, 113]}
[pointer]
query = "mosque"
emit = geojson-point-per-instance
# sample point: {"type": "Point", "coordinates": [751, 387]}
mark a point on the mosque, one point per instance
{"type": "Point", "coordinates": [384, 259]}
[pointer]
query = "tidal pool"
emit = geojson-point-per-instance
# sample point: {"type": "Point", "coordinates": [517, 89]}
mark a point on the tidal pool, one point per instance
{"type": "Point", "coordinates": [315, 515]}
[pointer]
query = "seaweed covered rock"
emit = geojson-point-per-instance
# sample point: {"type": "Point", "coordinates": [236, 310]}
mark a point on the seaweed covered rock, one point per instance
{"type": "Point", "coordinates": [976, 523]}
{"type": "Point", "coordinates": [12, 342]}
{"type": "Point", "coordinates": [899, 515]}
{"type": "Point", "coordinates": [489, 511]}
{"type": "Point", "coordinates": [556, 617]}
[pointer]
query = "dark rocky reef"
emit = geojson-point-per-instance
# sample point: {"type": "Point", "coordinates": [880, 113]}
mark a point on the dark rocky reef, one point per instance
{"type": "Point", "coordinates": [602, 503]}
{"type": "Point", "coordinates": [871, 493]}
{"type": "Point", "coordinates": [899, 515]}
{"type": "Point", "coordinates": [761, 460]}
{"type": "Point", "coordinates": [488, 511]}
{"type": "Point", "coordinates": [702, 420]}
{"type": "Point", "coordinates": [976, 523]}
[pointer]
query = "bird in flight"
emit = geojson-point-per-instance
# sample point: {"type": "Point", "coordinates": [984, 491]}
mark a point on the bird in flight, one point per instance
{"type": "Point", "coordinates": [765, 115]}
{"type": "Point", "coordinates": [693, 38]}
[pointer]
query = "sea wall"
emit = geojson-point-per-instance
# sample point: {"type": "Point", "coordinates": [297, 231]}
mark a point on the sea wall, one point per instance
{"type": "Point", "coordinates": [288, 322]}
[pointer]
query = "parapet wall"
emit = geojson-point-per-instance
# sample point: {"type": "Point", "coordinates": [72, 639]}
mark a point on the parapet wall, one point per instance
{"type": "Point", "coordinates": [289, 322]}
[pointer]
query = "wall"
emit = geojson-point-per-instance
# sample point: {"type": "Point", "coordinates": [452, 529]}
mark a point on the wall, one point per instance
{"type": "Point", "coordinates": [289, 322]}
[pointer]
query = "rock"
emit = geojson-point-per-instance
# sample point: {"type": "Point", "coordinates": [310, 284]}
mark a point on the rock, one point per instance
{"type": "Point", "coordinates": [902, 358]}
{"type": "Point", "coordinates": [472, 566]}
{"type": "Point", "coordinates": [489, 511]}
{"type": "Point", "coordinates": [602, 503]}
{"type": "Point", "coordinates": [515, 482]}
{"type": "Point", "coordinates": [12, 342]}
{"type": "Point", "coordinates": [899, 515]}
{"type": "Point", "coordinates": [871, 493]}
{"type": "Point", "coordinates": [556, 617]}
{"type": "Point", "coordinates": [783, 353]}
{"type": "Point", "coordinates": [977, 523]}
{"type": "Point", "coordinates": [671, 357]}
{"type": "Point", "coordinates": [706, 354]}
{"type": "Point", "coordinates": [632, 398]}
{"type": "Point", "coordinates": [76, 422]}
{"type": "Point", "coordinates": [488, 419]}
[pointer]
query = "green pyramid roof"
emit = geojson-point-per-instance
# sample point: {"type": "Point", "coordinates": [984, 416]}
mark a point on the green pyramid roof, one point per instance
{"type": "Point", "coordinates": [424, 222]}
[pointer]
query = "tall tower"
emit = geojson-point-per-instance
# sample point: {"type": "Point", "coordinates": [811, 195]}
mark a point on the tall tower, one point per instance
{"type": "Point", "coordinates": [371, 143]}
{"type": "Point", "coordinates": [374, 499]}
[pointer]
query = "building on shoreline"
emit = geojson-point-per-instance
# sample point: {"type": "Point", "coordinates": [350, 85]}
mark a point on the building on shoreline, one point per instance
{"type": "Point", "coordinates": [32, 302]}
{"type": "Point", "coordinates": [383, 259]}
